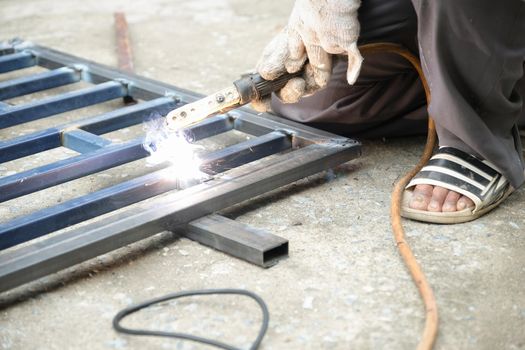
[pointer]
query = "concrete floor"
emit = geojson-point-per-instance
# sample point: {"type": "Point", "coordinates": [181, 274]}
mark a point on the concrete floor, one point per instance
{"type": "Point", "coordinates": [343, 285]}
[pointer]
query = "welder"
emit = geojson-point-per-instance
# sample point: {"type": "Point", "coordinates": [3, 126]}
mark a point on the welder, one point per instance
{"type": "Point", "coordinates": [472, 53]}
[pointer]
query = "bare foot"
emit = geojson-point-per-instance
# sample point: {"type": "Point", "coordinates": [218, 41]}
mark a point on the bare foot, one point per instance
{"type": "Point", "coordinates": [438, 199]}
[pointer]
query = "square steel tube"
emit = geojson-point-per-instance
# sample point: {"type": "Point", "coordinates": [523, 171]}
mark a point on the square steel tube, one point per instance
{"type": "Point", "coordinates": [69, 169]}
{"type": "Point", "coordinates": [51, 138]}
{"type": "Point", "coordinates": [38, 82]}
{"type": "Point", "coordinates": [61, 103]}
{"type": "Point", "coordinates": [72, 168]}
{"type": "Point", "coordinates": [83, 141]}
{"type": "Point", "coordinates": [242, 241]}
{"type": "Point", "coordinates": [168, 212]}
{"type": "Point", "coordinates": [17, 60]}
{"type": "Point", "coordinates": [91, 205]}
{"type": "Point", "coordinates": [29, 144]}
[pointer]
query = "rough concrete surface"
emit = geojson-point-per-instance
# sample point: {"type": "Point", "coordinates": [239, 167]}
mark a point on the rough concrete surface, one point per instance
{"type": "Point", "coordinates": [343, 286]}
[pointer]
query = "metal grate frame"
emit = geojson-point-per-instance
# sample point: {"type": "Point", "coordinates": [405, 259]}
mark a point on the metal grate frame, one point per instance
{"type": "Point", "coordinates": [234, 177]}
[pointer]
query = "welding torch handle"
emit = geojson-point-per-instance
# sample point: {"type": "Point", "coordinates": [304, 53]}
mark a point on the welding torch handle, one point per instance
{"type": "Point", "coordinates": [255, 87]}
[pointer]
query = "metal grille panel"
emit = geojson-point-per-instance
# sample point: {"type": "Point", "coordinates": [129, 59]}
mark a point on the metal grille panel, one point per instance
{"type": "Point", "coordinates": [297, 151]}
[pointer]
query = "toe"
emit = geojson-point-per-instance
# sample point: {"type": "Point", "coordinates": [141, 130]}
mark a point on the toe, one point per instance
{"type": "Point", "coordinates": [451, 202]}
{"type": "Point", "coordinates": [464, 202]}
{"type": "Point", "coordinates": [421, 197]}
{"type": "Point", "coordinates": [438, 198]}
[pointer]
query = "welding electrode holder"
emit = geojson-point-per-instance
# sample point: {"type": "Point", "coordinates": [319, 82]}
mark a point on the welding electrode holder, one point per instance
{"type": "Point", "coordinates": [254, 87]}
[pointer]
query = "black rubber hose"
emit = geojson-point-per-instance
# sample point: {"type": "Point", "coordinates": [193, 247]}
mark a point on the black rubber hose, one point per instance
{"type": "Point", "coordinates": [134, 308]}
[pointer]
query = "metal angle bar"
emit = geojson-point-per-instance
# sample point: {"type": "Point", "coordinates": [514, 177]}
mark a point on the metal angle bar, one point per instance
{"type": "Point", "coordinates": [91, 205]}
{"type": "Point", "coordinates": [50, 138]}
{"type": "Point", "coordinates": [72, 168]}
{"type": "Point", "coordinates": [83, 141]}
{"type": "Point", "coordinates": [167, 213]}
{"type": "Point", "coordinates": [37, 82]}
{"type": "Point", "coordinates": [247, 120]}
{"type": "Point", "coordinates": [240, 240]}
{"type": "Point", "coordinates": [61, 103]}
{"type": "Point", "coordinates": [16, 61]}
{"type": "Point", "coordinates": [255, 123]}
{"type": "Point", "coordinates": [142, 88]}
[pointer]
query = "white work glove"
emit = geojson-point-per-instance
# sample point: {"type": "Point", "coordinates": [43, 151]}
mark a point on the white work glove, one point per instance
{"type": "Point", "coordinates": [316, 30]}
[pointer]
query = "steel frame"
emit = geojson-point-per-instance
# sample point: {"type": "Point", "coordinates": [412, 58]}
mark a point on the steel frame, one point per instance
{"type": "Point", "coordinates": [298, 151]}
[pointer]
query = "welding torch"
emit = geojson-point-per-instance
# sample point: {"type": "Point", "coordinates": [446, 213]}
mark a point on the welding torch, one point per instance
{"type": "Point", "coordinates": [248, 88]}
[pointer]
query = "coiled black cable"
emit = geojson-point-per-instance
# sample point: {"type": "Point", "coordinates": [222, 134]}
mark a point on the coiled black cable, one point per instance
{"type": "Point", "coordinates": [134, 308]}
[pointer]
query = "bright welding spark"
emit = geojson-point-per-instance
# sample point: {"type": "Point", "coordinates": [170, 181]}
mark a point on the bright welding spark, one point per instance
{"type": "Point", "coordinates": [173, 148]}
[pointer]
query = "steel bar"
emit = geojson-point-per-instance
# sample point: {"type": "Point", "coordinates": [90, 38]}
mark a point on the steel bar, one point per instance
{"type": "Point", "coordinates": [142, 88]}
{"type": "Point", "coordinates": [16, 61]}
{"type": "Point", "coordinates": [124, 117]}
{"type": "Point", "coordinates": [61, 103]}
{"type": "Point", "coordinates": [72, 168]}
{"type": "Point", "coordinates": [37, 82]}
{"type": "Point", "coordinates": [83, 141]}
{"type": "Point", "coordinates": [103, 201]}
{"type": "Point", "coordinates": [69, 169]}
{"type": "Point", "coordinates": [76, 210]}
{"type": "Point", "coordinates": [29, 144]}
{"type": "Point", "coordinates": [50, 138]}
{"type": "Point", "coordinates": [168, 212]}
{"type": "Point", "coordinates": [248, 151]}
{"type": "Point", "coordinates": [240, 240]}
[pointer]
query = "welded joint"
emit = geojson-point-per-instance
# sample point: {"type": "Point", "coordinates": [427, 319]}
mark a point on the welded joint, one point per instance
{"type": "Point", "coordinates": [80, 69]}
{"type": "Point", "coordinates": [19, 44]}
{"type": "Point", "coordinates": [82, 141]}
{"type": "Point", "coordinates": [33, 54]}
{"type": "Point", "coordinates": [4, 106]}
{"type": "Point", "coordinates": [176, 98]}
{"type": "Point", "coordinates": [292, 136]}
{"type": "Point", "coordinates": [126, 84]}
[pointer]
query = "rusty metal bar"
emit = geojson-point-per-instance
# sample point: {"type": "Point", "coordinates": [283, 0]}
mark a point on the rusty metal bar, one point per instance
{"type": "Point", "coordinates": [124, 54]}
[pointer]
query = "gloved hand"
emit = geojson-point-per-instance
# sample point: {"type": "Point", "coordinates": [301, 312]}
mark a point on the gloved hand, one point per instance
{"type": "Point", "coordinates": [316, 30]}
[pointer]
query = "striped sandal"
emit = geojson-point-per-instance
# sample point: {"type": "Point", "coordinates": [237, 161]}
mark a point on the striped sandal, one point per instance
{"type": "Point", "coordinates": [463, 173]}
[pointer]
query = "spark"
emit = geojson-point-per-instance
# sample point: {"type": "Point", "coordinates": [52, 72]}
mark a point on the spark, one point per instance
{"type": "Point", "coordinates": [175, 149]}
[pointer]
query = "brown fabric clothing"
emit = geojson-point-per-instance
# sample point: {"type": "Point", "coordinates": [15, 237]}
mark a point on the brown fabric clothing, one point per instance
{"type": "Point", "coordinates": [473, 54]}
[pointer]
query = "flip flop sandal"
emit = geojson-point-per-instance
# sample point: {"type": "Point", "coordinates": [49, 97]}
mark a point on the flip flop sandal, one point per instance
{"type": "Point", "coordinates": [463, 173]}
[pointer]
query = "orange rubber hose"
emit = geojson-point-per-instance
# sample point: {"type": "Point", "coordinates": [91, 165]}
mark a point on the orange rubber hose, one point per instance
{"type": "Point", "coordinates": [427, 295]}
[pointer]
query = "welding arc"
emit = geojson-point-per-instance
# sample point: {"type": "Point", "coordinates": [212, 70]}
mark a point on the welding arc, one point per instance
{"type": "Point", "coordinates": [427, 295]}
{"type": "Point", "coordinates": [134, 308]}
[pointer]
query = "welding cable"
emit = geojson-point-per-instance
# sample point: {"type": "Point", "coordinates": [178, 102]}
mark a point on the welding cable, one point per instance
{"type": "Point", "coordinates": [427, 295]}
{"type": "Point", "coordinates": [134, 308]}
